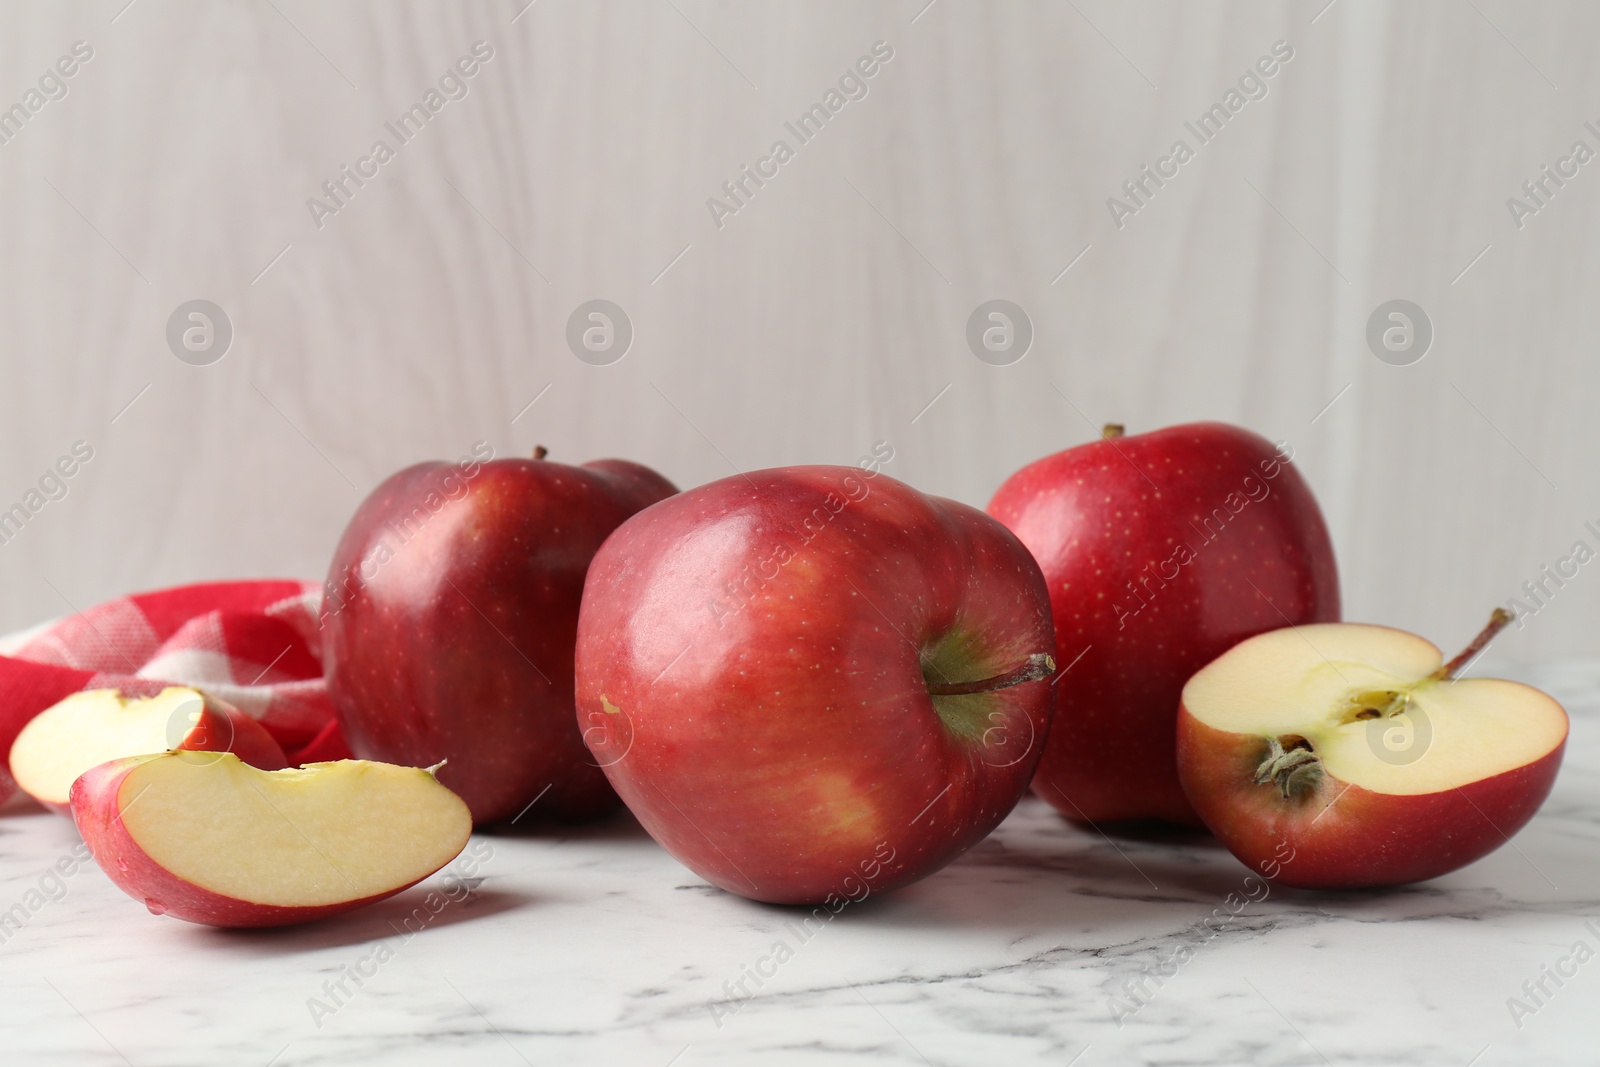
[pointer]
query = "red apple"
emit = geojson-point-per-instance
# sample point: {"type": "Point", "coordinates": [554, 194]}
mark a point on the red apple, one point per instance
{"type": "Point", "coordinates": [1161, 551]}
{"type": "Point", "coordinates": [1344, 756]}
{"type": "Point", "coordinates": [327, 746]}
{"type": "Point", "coordinates": [94, 726]}
{"type": "Point", "coordinates": [206, 838]}
{"type": "Point", "coordinates": [813, 683]}
{"type": "Point", "coordinates": [449, 621]}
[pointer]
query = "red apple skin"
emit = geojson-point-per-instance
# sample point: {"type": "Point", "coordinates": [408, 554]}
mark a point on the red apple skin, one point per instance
{"type": "Point", "coordinates": [329, 746]}
{"type": "Point", "coordinates": [239, 734]}
{"type": "Point", "coordinates": [458, 645]}
{"type": "Point", "coordinates": [96, 811]}
{"type": "Point", "coordinates": [1366, 839]}
{"type": "Point", "coordinates": [757, 699]}
{"type": "Point", "coordinates": [1095, 517]}
{"type": "Point", "coordinates": [221, 727]}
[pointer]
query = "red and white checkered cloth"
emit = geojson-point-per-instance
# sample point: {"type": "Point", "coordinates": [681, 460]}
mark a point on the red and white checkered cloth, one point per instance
{"type": "Point", "coordinates": [254, 644]}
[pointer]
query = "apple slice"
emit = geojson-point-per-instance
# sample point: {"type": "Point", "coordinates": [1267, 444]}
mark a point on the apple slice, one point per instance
{"type": "Point", "coordinates": [94, 726]}
{"type": "Point", "coordinates": [208, 838]}
{"type": "Point", "coordinates": [1342, 755]}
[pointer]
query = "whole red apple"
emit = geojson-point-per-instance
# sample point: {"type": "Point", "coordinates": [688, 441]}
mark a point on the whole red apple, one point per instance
{"type": "Point", "coordinates": [449, 619]}
{"type": "Point", "coordinates": [812, 684]}
{"type": "Point", "coordinates": [1346, 756]}
{"type": "Point", "coordinates": [1161, 551]}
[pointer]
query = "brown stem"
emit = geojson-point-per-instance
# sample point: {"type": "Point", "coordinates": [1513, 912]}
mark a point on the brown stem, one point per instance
{"type": "Point", "coordinates": [1294, 769]}
{"type": "Point", "coordinates": [1112, 429]}
{"type": "Point", "coordinates": [1039, 665]}
{"type": "Point", "coordinates": [539, 451]}
{"type": "Point", "coordinates": [1497, 622]}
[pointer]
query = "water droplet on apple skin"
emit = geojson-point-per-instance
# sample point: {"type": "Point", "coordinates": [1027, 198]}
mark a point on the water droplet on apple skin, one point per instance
{"type": "Point", "coordinates": [155, 906]}
{"type": "Point", "coordinates": [122, 865]}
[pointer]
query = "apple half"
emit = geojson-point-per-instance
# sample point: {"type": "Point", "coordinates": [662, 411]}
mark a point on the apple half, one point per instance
{"type": "Point", "coordinates": [206, 837]}
{"type": "Point", "coordinates": [89, 728]}
{"type": "Point", "coordinates": [1343, 756]}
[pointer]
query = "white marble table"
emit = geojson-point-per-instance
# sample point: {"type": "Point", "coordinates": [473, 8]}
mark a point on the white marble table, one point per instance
{"type": "Point", "coordinates": [596, 947]}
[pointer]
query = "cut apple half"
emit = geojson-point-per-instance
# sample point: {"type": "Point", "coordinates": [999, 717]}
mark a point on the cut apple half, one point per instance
{"type": "Point", "coordinates": [207, 838]}
{"type": "Point", "coordinates": [89, 728]}
{"type": "Point", "coordinates": [1356, 750]}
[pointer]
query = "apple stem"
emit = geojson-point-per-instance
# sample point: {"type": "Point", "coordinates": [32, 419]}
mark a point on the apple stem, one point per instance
{"type": "Point", "coordinates": [1497, 622]}
{"type": "Point", "coordinates": [1112, 429]}
{"type": "Point", "coordinates": [1039, 665]}
{"type": "Point", "coordinates": [1293, 770]}
{"type": "Point", "coordinates": [539, 451]}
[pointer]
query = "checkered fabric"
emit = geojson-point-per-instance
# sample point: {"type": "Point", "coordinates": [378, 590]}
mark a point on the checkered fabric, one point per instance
{"type": "Point", "coordinates": [253, 644]}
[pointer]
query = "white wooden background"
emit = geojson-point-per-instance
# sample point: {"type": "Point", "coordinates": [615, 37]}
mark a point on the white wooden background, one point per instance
{"type": "Point", "coordinates": [828, 313]}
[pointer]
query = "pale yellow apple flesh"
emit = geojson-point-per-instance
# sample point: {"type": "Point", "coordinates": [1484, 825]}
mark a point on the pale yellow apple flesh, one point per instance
{"type": "Point", "coordinates": [1325, 682]}
{"type": "Point", "coordinates": [89, 728]}
{"type": "Point", "coordinates": [303, 837]}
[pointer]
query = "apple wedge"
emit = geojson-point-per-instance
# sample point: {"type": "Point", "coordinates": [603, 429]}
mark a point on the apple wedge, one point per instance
{"type": "Point", "coordinates": [94, 726]}
{"type": "Point", "coordinates": [1343, 756]}
{"type": "Point", "coordinates": [207, 838]}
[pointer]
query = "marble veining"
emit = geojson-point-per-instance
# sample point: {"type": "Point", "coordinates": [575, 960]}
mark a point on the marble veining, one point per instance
{"type": "Point", "coordinates": [1045, 944]}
